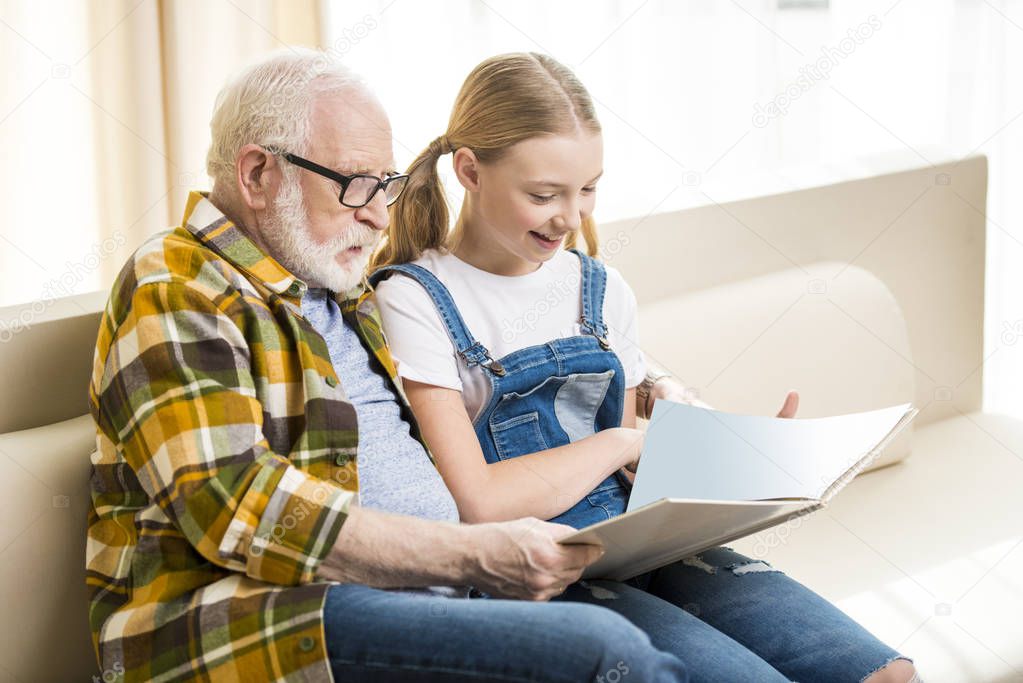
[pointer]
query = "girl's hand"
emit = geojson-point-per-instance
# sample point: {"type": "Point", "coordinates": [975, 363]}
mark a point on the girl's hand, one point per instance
{"type": "Point", "coordinates": [790, 406]}
{"type": "Point", "coordinates": [672, 390]}
{"type": "Point", "coordinates": [669, 389]}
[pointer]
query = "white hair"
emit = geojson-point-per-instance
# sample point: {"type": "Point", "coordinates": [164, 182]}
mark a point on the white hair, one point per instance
{"type": "Point", "coordinates": [270, 103]}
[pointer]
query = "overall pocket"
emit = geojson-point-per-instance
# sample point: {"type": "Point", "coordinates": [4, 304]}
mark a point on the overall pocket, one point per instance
{"type": "Point", "coordinates": [610, 496]}
{"type": "Point", "coordinates": [559, 410]}
{"type": "Point", "coordinates": [518, 436]}
{"type": "Point", "coordinates": [577, 401]}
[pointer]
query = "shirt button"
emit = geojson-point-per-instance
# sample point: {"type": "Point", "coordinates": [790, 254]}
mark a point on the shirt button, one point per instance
{"type": "Point", "coordinates": [341, 460]}
{"type": "Point", "coordinates": [331, 382]}
{"type": "Point", "coordinates": [295, 289]}
{"type": "Point", "coordinates": [306, 644]}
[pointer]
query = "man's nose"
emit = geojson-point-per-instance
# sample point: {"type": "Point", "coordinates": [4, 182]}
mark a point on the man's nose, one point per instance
{"type": "Point", "coordinates": [374, 214]}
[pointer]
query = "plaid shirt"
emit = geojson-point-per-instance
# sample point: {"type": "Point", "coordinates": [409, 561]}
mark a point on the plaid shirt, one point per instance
{"type": "Point", "coordinates": [225, 463]}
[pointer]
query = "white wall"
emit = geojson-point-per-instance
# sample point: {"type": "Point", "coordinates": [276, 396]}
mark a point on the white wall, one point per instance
{"type": "Point", "coordinates": [678, 84]}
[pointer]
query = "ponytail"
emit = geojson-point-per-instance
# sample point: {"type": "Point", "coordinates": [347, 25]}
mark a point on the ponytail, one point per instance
{"type": "Point", "coordinates": [588, 230]}
{"type": "Point", "coordinates": [419, 219]}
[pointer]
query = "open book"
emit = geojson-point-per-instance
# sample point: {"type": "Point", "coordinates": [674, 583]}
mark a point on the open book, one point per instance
{"type": "Point", "coordinates": [708, 477]}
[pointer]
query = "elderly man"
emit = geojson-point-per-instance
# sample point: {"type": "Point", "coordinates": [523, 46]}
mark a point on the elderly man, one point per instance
{"type": "Point", "coordinates": [263, 505]}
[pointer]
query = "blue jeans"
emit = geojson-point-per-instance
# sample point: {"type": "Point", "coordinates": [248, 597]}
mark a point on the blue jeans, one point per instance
{"type": "Point", "coordinates": [376, 636]}
{"type": "Point", "coordinates": [732, 618]}
{"type": "Point", "coordinates": [718, 617]}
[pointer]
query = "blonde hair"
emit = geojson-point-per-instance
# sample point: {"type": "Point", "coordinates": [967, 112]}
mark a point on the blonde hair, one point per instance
{"type": "Point", "coordinates": [505, 100]}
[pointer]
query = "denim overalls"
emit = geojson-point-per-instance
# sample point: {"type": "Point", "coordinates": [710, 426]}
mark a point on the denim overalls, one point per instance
{"type": "Point", "coordinates": [547, 395]}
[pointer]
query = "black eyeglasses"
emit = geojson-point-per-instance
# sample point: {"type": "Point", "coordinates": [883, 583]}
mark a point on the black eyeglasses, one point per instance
{"type": "Point", "coordinates": [356, 190]}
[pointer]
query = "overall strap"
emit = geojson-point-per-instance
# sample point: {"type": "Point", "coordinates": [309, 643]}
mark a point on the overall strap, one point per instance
{"type": "Point", "coordinates": [594, 284]}
{"type": "Point", "coordinates": [468, 348]}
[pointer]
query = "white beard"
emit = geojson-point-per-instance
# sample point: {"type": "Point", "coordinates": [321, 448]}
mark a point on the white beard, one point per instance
{"type": "Point", "coordinates": [314, 262]}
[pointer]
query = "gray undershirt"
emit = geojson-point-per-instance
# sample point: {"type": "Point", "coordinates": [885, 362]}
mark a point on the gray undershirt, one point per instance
{"type": "Point", "coordinates": [395, 474]}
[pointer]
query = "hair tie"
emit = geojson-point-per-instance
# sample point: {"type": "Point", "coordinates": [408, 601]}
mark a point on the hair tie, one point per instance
{"type": "Point", "coordinates": [441, 145]}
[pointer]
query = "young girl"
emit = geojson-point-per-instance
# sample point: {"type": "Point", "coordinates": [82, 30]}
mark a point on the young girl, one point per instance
{"type": "Point", "coordinates": [521, 361]}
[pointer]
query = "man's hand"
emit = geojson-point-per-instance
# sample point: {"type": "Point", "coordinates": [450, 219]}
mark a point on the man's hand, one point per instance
{"type": "Point", "coordinates": [790, 406]}
{"type": "Point", "coordinates": [522, 559]}
{"type": "Point", "coordinates": [517, 559]}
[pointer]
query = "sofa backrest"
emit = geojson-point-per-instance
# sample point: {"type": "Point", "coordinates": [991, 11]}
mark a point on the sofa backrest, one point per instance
{"type": "Point", "coordinates": [920, 232]}
{"type": "Point", "coordinates": [46, 351]}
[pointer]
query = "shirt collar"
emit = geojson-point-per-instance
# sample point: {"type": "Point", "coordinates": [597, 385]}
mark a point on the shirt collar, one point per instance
{"type": "Point", "coordinates": [215, 230]}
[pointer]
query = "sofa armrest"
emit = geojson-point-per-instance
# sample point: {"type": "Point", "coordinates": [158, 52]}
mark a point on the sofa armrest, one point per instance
{"type": "Point", "coordinates": [44, 501]}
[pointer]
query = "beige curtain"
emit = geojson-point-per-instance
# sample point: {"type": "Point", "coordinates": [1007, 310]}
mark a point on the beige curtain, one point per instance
{"type": "Point", "coordinates": [105, 118]}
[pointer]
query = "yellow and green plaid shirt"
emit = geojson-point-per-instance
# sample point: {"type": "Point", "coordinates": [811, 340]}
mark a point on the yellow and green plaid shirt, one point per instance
{"type": "Point", "coordinates": [225, 462]}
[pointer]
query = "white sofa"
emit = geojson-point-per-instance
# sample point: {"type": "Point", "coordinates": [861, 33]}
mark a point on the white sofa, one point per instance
{"type": "Point", "coordinates": [859, 295]}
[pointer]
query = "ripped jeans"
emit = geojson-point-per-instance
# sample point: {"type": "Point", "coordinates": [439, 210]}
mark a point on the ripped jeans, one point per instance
{"type": "Point", "coordinates": [733, 618]}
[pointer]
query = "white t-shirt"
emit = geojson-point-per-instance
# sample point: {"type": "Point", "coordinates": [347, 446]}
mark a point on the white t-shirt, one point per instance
{"type": "Point", "coordinates": [504, 313]}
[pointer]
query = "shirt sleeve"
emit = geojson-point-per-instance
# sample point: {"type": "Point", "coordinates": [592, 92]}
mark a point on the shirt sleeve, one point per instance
{"type": "Point", "coordinates": [178, 397]}
{"type": "Point", "coordinates": [416, 335]}
{"type": "Point", "coordinates": [620, 316]}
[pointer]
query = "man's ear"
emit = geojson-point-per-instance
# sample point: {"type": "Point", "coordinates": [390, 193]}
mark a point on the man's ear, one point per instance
{"type": "Point", "coordinates": [467, 169]}
{"type": "Point", "coordinates": [256, 171]}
